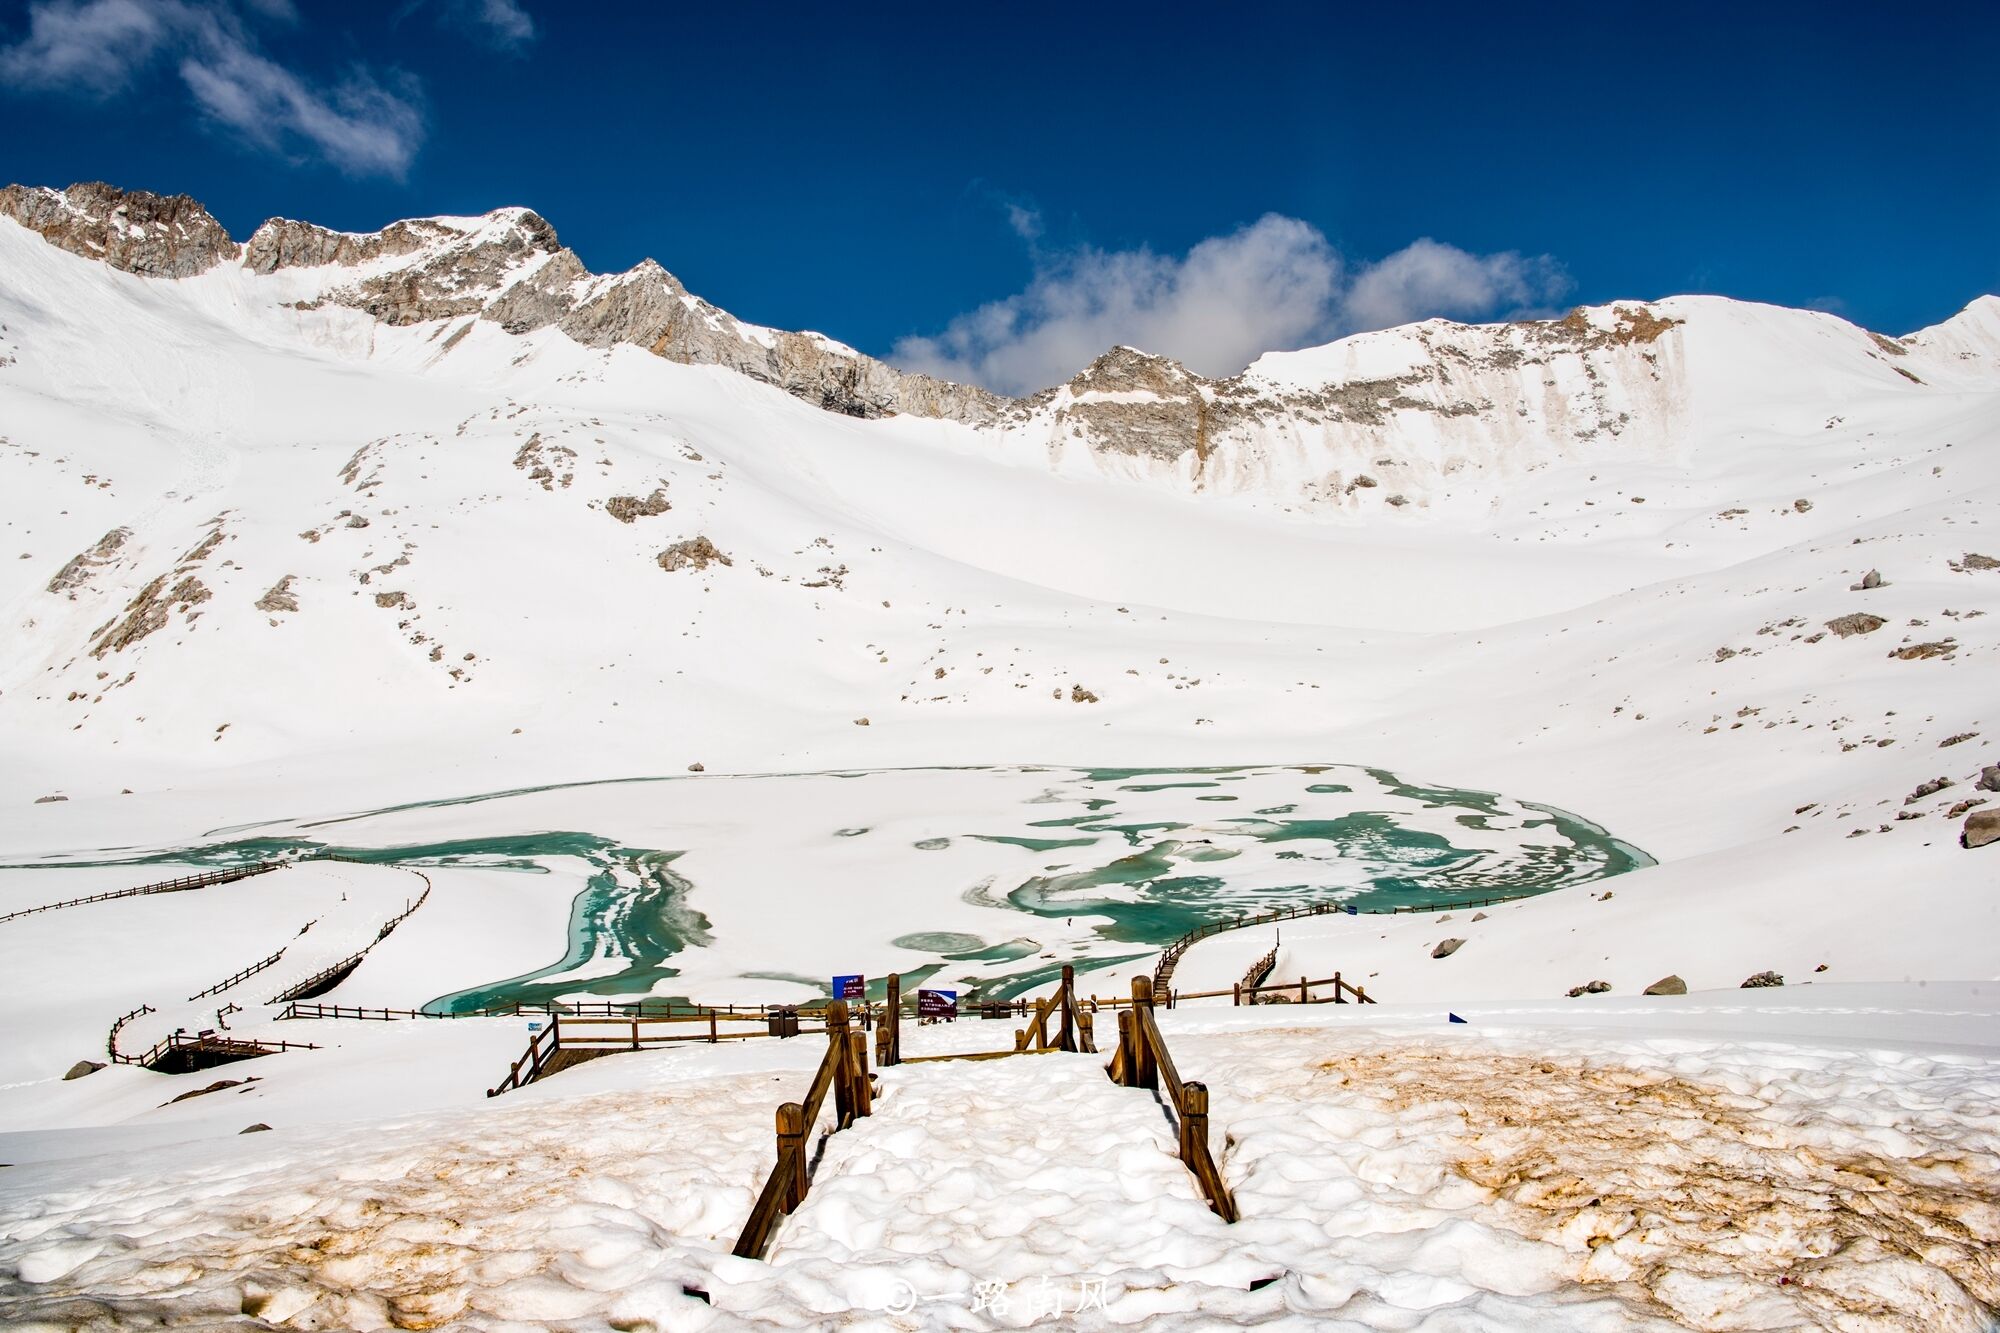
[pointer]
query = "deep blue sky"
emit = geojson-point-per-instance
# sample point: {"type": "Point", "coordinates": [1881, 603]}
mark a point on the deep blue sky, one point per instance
{"type": "Point", "coordinates": [848, 169]}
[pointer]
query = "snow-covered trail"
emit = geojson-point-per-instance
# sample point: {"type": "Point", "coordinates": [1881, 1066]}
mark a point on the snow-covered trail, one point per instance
{"type": "Point", "coordinates": [1611, 1172]}
{"type": "Point", "coordinates": [1001, 1172]}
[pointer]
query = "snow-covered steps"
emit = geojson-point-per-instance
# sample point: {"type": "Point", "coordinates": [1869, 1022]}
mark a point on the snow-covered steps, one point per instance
{"type": "Point", "coordinates": [1001, 1171]}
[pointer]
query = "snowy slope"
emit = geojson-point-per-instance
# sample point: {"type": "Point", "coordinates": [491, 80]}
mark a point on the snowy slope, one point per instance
{"type": "Point", "coordinates": [318, 526]}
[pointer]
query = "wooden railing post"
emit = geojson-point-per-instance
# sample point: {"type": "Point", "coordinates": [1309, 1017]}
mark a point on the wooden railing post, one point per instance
{"type": "Point", "coordinates": [1194, 1121]}
{"type": "Point", "coordinates": [890, 1052]}
{"type": "Point", "coordinates": [1066, 1033]}
{"type": "Point", "coordinates": [836, 1037]}
{"type": "Point", "coordinates": [1302, 990]}
{"type": "Point", "coordinates": [857, 1068]}
{"type": "Point", "coordinates": [792, 1139]}
{"type": "Point", "coordinates": [1124, 1065]}
{"type": "Point", "coordinates": [1337, 983]}
{"type": "Point", "coordinates": [1145, 1069]}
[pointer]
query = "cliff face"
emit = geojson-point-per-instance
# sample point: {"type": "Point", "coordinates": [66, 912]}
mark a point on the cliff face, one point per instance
{"type": "Point", "coordinates": [1380, 419]}
{"type": "Point", "coordinates": [508, 267]}
{"type": "Point", "coordinates": [155, 236]}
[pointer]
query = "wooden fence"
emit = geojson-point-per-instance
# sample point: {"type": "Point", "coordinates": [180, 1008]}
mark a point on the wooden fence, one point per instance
{"type": "Point", "coordinates": [249, 971]}
{"type": "Point", "coordinates": [181, 885]}
{"type": "Point", "coordinates": [1163, 971]}
{"type": "Point", "coordinates": [207, 1048]}
{"type": "Point", "coordinates": [325, 977]}
{"type": "Point", "coordinates": [1143, 1061]}
{"type": "Point", "coordinates": [844, 1071]}
{"type": "Point", "coordinates": [568, 1038]}
{"type": "Point", "coordinates": [1254, 975]}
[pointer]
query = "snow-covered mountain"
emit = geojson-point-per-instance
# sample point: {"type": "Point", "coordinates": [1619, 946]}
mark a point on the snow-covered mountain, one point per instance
{"type": "Point", "coordinates": [361, 518]}
{"type": "Point", "coordinates": [378, 540]}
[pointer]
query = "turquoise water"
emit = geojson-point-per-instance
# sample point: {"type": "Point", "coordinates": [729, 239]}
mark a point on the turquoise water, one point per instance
{"type": "Point", "coordinates": [1113, 868]}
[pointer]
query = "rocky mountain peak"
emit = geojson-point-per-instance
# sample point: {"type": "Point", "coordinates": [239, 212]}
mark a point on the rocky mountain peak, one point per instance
{"type": "Point", "coordinates": [153, 235]}
{"type": "Point", "coordinates": [1129, 370]}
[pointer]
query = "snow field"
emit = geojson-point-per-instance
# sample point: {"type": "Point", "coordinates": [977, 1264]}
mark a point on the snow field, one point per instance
{"type": "Point", "coordinates": [1605, 1170]}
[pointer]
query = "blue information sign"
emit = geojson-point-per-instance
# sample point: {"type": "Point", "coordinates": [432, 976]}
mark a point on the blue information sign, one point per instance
{"type": "Point", "coordinates": [850, 988]}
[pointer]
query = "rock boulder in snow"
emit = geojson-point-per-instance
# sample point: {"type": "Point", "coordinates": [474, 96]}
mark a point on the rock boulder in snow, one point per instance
{"type": "Point", "coordinates": [1981, 827]}
{"type": "Point", "coordinates": [1668, 985]}
{"type": "Point", "coordinates": [1761, 980]}
{"type": "Point", "coordinates": [1447, 948]}
{"type": "Point", "coordinates": [1860, 622]}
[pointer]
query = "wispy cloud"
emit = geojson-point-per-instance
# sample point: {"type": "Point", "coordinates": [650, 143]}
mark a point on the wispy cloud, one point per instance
{"type": "Point", "coordinates": [1275, 284]}
{"type": "Point", "coordinates": [504, 25]}
{"type": "Point", "coordinates": [90, 49]}
{"type": "Point", "coordinates": [505, 22]}
{"type": "Point", "coordinates": [363, 124]}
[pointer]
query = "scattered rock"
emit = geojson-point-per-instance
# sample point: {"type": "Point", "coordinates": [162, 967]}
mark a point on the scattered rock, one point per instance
{"type": "Point", "coordinates": [1801, 506]}
{"type": "Point", "coordinates": [1959, 739]}
{"type": "Point", "coordinates": [280, 597]}
{"type": "Point", "coordinates": [1079, 695]}
{"type": "Point", "coordinates": [696, 768]}
{"type": "Point", "coordinates": [1589, 988]}
{"type": "Point", "coordinates": [1447, 948]}
{"type": "Point", "coordinates": [1724, 654]}
{"type": "Point", "coordinates": [1981, 827]}
{"type": "Point", "coordinates": [860, 721]}
{"type": "Point", "coordinates": [1989, 778]}
{"type": "Point", "coordinates": [694, 553]}
{"type": "Point", "coordinates": [1963, 806]}
{"type": "Point", "coordinates": [1820, 968]}
{"type": "Point", "coordinates": [1869, 581]}
{"type": "Point", "coordinates": [259, 1128]}
{"type": "Point", "coordinates": [49, 800]}
{"type": "Point", "coordinates": [627, 508]}
{"type": "Point", "coordinates": [1668, 985]}
{"type": "Point", "coordinates": [83, 1067]}
{"type": "Point", "coordinates": [1479, 916]}
{"type": "Point", "coordinates": [1860, 622]}
{"type": "Point", "coordinates": [1931, 788]}
{"type": "Point", "coordinates": [399, 600]}
{"type": "Point", "coordinates": [1974, 560]}
{"type": "Point", "coordinates": [1918, 651]}
{"type": "Point", "coordinates": [1761, 980]}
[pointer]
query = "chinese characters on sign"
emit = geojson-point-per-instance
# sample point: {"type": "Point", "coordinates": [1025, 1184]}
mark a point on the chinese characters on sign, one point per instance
{"type": "Point", "coordinates": [1037, 1300]}
{"type": "Point", "coordinates": [934, 1004]}
{"type": "Point", "coordinates": [850, 988]}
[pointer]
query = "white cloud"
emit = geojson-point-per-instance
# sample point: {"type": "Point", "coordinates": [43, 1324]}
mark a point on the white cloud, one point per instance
{"type": "Point", "coordinates": [96, 47]}
{"type": "Point", "coordinates": [90, 47]}
{"type": "Point", "coordinates": [1273, 285]}
{"type": "Point", "coordinates": [359, 126]}
{"type": "Point", "coordinates": [505, 21]}
{"type": "Point", "coordinates": [1427, 278]}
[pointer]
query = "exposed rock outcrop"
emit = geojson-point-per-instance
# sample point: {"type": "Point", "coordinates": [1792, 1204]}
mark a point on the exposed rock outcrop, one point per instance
{"type": "Point", "coordinates": [280, 597]}
{"type": "Point", "coordinates": [77, 572]}
{"type": "Point", "coordinates": [1981, 828]}
{"type": "Point", "coordinates": [1860, 622]}
{"type": "Point", "coordinates": [153, 235]}
{"type": "Point", "coordinates": [1668, 985]}
{"type": "Point", "coordinates": [694, 553]}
